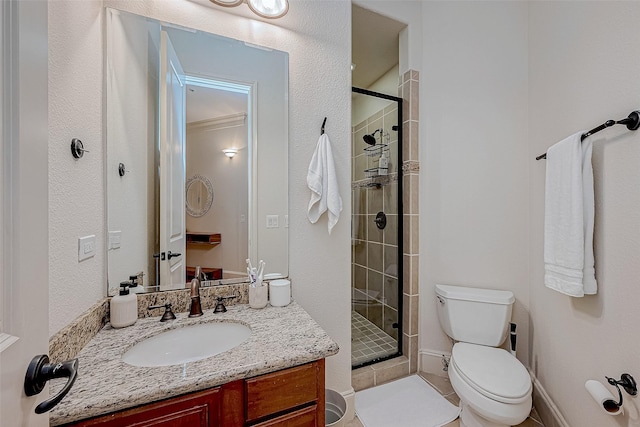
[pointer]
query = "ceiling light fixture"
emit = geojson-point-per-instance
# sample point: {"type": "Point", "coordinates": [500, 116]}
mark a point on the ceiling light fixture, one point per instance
{"type": "Point", "coordinates": [230, 152]}
{"type": "Point", "coordinates": [227, 3]}
{"type": "Point", "coordinates": [271, 9]}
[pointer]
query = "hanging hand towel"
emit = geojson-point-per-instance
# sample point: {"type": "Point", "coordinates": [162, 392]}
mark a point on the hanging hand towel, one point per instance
{"type": "Point", "coordinates": [568, 218]}
{"type": "Point", "coordinates": [323, 183]}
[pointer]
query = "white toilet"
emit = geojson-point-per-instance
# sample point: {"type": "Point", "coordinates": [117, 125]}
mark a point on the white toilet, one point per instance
{"type": "Point", "coordinates": [493, 386]}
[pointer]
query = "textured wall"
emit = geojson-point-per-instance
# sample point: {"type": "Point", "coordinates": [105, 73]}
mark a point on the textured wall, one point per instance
{"type": "Point", "coordinates": [581, 74]}
{"type": "Point", "coordinates": [474, 220]}
{"type": "Point", "coordinates": [317, 37]}
{"type": "Point", "coordinates": [76, 187]}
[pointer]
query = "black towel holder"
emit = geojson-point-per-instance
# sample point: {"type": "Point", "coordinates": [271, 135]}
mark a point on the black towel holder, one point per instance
{"type": "Point", "coordinates": [632, 121]}
{"type": "Point", "coordinates": [322, 128]}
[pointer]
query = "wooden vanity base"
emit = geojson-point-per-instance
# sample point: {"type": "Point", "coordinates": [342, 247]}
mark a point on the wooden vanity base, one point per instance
{"type": "Point", "coordinates": [293, 397]}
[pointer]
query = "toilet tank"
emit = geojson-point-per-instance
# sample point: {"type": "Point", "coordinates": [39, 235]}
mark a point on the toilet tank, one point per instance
{"type": "Point", "coordinates": [474, 315]}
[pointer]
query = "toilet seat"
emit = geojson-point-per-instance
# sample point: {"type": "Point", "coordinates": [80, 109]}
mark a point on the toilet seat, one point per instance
{"type": "Point", "coordinates": [492, 372]}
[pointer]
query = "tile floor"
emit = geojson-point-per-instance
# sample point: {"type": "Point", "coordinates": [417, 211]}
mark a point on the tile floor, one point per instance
{"type": "Point", "coordinates": [443, 386]}
{"type": "Point", "coordinates": [368, 342]}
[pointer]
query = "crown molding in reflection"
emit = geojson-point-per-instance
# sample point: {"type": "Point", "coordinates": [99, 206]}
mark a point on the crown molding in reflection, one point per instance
{"type": "Point", "coordinates": [232, 120]}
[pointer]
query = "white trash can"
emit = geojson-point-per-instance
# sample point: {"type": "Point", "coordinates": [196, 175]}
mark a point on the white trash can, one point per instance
{"type": "Point", "coordinates": [335, 408]}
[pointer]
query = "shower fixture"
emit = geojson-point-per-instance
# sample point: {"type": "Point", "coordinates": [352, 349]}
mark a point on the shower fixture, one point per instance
{"type": "Point", "coordinates": [371, 138]}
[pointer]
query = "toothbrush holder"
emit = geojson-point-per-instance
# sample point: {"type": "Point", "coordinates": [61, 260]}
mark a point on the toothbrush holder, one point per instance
{"type": "Point", "coordinates": [258, 296]}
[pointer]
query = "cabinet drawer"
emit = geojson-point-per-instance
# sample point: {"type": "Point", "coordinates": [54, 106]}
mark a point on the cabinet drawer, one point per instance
{"type": "Point", "coordinates": [280, 391]}
{"type": "Point", "coordinates": [301, 418]}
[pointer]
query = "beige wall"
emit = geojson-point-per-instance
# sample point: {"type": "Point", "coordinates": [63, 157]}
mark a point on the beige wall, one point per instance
{"type": "Point", "coordinates": [583, 70]}
{"type": "Point", "coordinates": [230, 202]}
{"type": "Point", "coordinates": [501, 82]}
{"type": "Point", "coordinates": [474, 204]}
{"type": "Point", "coordinates": [319, 86]}
{"type": "Point", "coordinates": [76, 187]}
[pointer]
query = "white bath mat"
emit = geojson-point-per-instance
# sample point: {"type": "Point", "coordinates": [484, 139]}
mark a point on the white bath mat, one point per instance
{"type": "Point", "coordinates": [408, 402]}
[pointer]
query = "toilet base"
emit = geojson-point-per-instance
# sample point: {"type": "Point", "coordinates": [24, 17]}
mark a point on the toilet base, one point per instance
{"type": "Point", "coordinates": [468, 418]}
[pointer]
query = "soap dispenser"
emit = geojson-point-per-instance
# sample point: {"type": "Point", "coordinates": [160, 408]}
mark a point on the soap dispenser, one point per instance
{"type": "Point", "coordinates": [124, 307]}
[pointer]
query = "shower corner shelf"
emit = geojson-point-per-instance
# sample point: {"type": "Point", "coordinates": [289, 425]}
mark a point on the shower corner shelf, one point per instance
{"type": "Point", "coordinates": [371, 173]}
{"type": "Point", "coordinates": [376, 150]}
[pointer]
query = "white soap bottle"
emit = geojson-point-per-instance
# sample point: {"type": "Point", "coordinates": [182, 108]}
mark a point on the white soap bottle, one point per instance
{"type": "Point", "coordinates": [123, 308]}
{"type": "Point", "coordinates": [383, 164]}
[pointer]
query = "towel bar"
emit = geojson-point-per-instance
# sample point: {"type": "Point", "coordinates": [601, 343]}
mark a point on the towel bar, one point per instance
{"type": "Point", "coordinates": [632, 122]}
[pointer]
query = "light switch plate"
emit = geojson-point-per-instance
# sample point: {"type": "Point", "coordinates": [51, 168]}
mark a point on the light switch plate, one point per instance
{"type": "Point", "coordinates": [272, 221]}
{"type": "Point", "coordinates": [115, 237]}
{"type": "Point", "coordinates": [86, 247]}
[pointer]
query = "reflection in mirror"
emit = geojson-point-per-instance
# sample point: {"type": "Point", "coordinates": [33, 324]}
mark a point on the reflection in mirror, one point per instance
{"type": "Point", "coordinates": [213, 94]}
{"type": "Point", "coordinates": [199, 195]}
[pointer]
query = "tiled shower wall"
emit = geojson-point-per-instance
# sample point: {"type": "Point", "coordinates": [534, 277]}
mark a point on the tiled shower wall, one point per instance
{"type": "Point", "coordinates": [369, 376]}
{"type": "Point", "coordinates": [409, 91]}
{"type": "Point", "coordinates": [375, 251]}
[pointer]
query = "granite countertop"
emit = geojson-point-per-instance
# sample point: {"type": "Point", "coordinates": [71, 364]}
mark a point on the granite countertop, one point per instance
{"type": "Point", "coordinates": [281, 337]}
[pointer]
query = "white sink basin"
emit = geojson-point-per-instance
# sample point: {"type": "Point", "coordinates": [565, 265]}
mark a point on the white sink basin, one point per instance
{"type": "Point", "coordinates": [187, 344]}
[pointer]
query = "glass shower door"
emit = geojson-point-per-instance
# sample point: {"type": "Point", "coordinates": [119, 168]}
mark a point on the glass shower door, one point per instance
{"type": "Point", "coordinates": [376, 267]}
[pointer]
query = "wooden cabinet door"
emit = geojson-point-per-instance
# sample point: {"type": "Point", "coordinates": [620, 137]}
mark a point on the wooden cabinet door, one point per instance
{"type": "Point", "coordinates": [216, 407]}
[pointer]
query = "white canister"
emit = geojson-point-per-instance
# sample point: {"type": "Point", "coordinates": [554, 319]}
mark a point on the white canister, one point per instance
{"type": "Point", "coordinates": [280, 292]}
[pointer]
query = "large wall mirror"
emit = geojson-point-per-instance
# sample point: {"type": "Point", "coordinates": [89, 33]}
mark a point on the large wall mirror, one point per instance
{"type": "Point", "coordinates": [177, 100]}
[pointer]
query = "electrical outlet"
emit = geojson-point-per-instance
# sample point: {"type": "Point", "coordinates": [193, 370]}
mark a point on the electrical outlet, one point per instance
{"type": "Point", "coordinates": [272, 221]}
{"type": "Point", "coordinates": [86, 247]}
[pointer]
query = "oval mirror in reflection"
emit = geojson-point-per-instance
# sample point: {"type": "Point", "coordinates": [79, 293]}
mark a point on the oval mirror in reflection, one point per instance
{"type": "Point", "coordinates": [199, 195]}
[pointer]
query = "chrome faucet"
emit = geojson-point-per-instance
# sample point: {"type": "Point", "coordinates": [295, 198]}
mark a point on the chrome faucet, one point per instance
{"type": "Point", "coordinates": [195, 309]}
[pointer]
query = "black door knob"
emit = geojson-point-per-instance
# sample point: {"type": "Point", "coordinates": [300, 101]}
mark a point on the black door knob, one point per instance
{"type": "Point", "coordinates": [40, 371]}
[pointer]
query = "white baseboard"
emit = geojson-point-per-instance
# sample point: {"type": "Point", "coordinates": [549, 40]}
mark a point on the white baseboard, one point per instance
{"type": "Point", "coordinates": [350, 397]}
{"type": "Point", "coordinates": [545, 406]}
{"type": "Point", "coordinates": [430, 361]}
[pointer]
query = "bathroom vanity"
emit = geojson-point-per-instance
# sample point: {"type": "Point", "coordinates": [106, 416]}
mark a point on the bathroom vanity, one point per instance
{"type": "Point", "coordinates": [275, 377]}
{"type": "Point", "coordinates": [292, 397]}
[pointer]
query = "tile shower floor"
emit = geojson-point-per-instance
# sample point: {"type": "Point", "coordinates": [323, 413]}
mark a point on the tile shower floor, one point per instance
{"type": "Point", "coordinates": [443, 386]}
{"type": "Point", "coordinates": [368, 342]}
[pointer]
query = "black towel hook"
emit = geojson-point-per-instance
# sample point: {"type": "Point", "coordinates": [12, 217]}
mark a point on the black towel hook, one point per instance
{"type": "Point", "coordinates": [322, 128]}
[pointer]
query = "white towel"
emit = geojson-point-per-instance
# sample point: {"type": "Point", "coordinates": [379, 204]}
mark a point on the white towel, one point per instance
{"type": "Point", "coordinates": [568, 218]}
{"type": "Point", "coordinates": [323, 183]}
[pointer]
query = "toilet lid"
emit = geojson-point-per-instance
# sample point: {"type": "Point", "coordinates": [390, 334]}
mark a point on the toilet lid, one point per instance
{"type": "Point", "coordinates": [494, 372]}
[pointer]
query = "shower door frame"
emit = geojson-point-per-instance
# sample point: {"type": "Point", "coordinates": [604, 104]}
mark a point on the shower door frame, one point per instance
{"type": "Point", "coordinates": [400, 214]}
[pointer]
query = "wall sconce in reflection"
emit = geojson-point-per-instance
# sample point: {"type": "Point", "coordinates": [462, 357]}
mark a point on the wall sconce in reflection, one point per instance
{"type": "Point", "coordinates": [230, 152]}
{"type": "Point", "coordinates": [271, 9]}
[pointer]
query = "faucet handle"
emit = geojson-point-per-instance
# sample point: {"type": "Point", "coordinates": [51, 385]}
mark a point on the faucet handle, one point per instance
{"type": "Point", "coordinates": [137, 279]}
{"type": "Point", "coordinates": [168, 314]}
{"type": "Point", "coordinates": [220, 308]}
